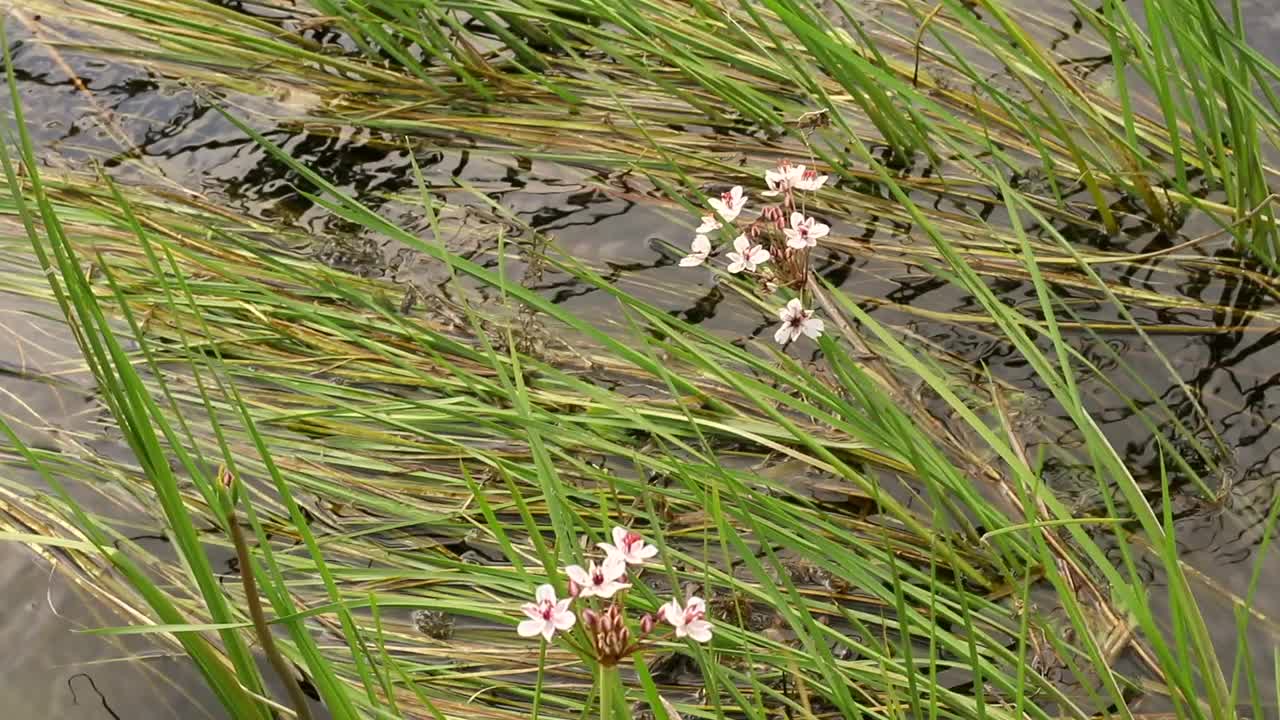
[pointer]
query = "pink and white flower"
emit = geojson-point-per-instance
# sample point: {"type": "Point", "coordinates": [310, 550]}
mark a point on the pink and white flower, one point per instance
{"type": "Point", "coordinates": [804, 232]}
{"type": "Point", "coordinates": [689, 620]}
{"type": "Point", "coordinates": [747, 256]}
{"type": "Point", "coordinates": [810, 180]}
{"type": "Point", "coordinates": [601, 580]}
{"type": "Point", "coordinates": [784, 179]}
{"type": "Point", "coordinates": [709, 224]}
{"type": "Point", "coordinates": [698, 252]}
{"type": "Point", "coordinates": [797, 321]}
{"type": "Point", "coordinates": [729, 205]}
{"type": "Point", "coordinates": [630, 546]}
{"type": "Point", "coordinates": [547, 615]}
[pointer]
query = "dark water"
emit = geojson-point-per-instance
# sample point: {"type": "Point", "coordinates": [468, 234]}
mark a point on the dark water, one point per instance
{"type": "Point", "coordinates": [166, 135]}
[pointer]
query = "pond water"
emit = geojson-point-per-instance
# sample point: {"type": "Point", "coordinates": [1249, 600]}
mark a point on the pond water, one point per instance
{"type": "Point", "coordinates": [52, 671]}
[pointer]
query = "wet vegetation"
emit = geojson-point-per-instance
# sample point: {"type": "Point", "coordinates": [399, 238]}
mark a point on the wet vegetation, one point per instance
{"type": "Point", "coordinates": [390, 399]}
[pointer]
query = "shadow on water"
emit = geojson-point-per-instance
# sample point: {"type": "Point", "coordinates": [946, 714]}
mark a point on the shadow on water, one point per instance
{"type": "Point", "coordinates": [167, 135]}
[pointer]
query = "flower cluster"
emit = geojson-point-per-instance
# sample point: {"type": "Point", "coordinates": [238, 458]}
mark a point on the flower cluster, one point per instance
{"type": "Point", "coordinates": [610, 636]}
{"type": "Point", "coordinates": [781, 233]}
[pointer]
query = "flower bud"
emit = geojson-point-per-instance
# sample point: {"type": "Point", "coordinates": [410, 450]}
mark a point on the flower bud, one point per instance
{"type": "Point", "coordinates": [774, 214]}
{"type": "Point", "coordinates": [647, 623]}
{"type": "Point", "coordinates": [610, 636]}
{"type": "Point", "coordinates": [590, 618]}
{"type": "Point", "coordinates": [574, 589]}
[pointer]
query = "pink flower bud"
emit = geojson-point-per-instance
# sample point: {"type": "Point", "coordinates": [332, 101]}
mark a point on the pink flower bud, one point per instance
{"type": "Point", "coordinates": [647, 623]}
{"type": "Point", "coordinates": [610, 637]}
{"type": "Point", "coordinates": [590, 618]}
{"type": "Point", "coordinates": [574, 589]}
{"type": "Point", "coordinates": [774, 214]}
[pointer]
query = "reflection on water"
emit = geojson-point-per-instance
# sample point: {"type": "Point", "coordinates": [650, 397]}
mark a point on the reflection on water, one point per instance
{"type": "Point", "coordinates": [162, 133]}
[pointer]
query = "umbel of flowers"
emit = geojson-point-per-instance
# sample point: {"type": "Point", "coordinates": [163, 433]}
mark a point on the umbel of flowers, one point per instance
{"type": "Point", "coordinates": [774, 247]}
{"type": "Point", "coordinates": [612, 638]}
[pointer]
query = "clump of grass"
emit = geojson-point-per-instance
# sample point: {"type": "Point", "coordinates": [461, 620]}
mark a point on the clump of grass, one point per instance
{"type": "Point", "coordinates": [970, 90]}
{"type": "Point", "coordinates": [455, 456]}
{"type": "Point", "coordinates": [396, 464]}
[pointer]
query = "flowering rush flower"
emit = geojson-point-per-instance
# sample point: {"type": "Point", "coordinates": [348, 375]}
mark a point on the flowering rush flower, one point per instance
{"type": "Point", "coordinates": [796, 321]}
{"type": "Point", "coordinates": [546, 615]}
{"type": "Point", "coordinates": [709, 223]}
{"type": "Point", "coordinates": [810, 180]}
{"type": "Point", "coordinates": [601, 580]}
{"type": "Point", "coordinates": [689, 620]}
{"type": "Point", "coordinates": [804, 232]}
{"type": "Point", "coordinates": [747, 256]}
{"type": "Point", "coordinates": [630, 546]}
{"type": "Point", "coordinates": [729, 205]}
{"type": "Point", "coordinates": [784, 179]}
{"type": "Point", "coordinates": [698, 252]}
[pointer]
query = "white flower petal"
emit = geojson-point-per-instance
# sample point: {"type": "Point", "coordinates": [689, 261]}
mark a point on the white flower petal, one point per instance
{"type": "Point", "coordinates": [671, 612]}
{"type": "Point", "coordinates": [709, 223]}
{"type": "Point", "coordinates": [529, 628]}
{"type": "Point", "coordinates": [699, 630]}
{"type": "Point", "coordinates": [564, 620]}
{"type": "Point", "coordinates": [545, 593]}
{"type": "Point", "coordinates": [781, 335]}
{"type": "Point", "coordinates": [578, 575]}
{"type": "Point", "coordinates": [613, 568]}
{"type": "Point", "coordinates": [741, 244]}
{"type": "Point", "coordinates": [609, 589]}
{"type": "Point", "coordinates": [812, 327]}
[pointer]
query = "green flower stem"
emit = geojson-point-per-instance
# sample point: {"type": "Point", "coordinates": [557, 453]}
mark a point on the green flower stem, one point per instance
{"type": "Point", "coordinates": [608, 686]}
